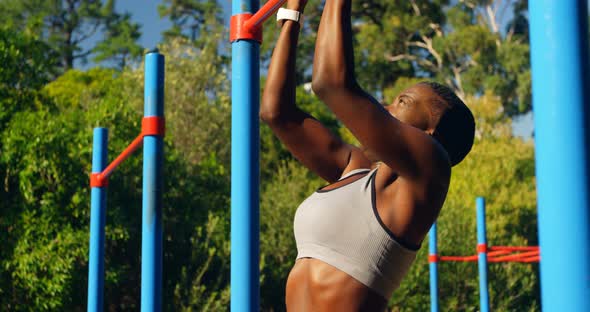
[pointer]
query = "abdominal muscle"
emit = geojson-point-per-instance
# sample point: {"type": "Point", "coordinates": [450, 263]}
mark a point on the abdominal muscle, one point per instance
{"type": "Point", "coordinates": [314, 285]}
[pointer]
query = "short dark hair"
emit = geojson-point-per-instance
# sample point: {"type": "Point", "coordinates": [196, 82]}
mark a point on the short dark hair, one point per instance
{"type": "Point", "coordinates": [455, 130]}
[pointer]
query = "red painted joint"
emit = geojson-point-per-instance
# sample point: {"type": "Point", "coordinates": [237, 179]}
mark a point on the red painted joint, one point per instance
{"type": "Point", "coordinates": [238, 30]}
{"type": "Point", "coordinates": [482, 248]}
{"type": "Point", "coordinates": [432, 258]}
{"type": "Point", "coordinates": [98, 180]}
{"type": "Point", "coordinates": [153, 125]}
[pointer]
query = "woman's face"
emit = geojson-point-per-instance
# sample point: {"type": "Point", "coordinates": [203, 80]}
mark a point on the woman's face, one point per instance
{"type": "Point", "coordinates": [414, 107]}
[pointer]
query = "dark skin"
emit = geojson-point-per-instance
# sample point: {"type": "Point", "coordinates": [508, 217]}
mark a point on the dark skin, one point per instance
{"type": "Point", "coordinates": [414, 172]}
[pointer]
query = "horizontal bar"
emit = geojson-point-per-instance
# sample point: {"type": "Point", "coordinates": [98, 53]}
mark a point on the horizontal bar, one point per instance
{"type": "Point", "coordinates": [498, 253]}
{"type": "Point", "coordinates": [514, 248]}
{"type": "Point", "coordinates": [268, 9]}
{"type": "Point", "coordinates": [516, 256]}
{"type": "Point", "coordinates": [458, 258]}
{"type": "Point", "coordinates": [491, 256]}
{"type": "Point", "coordinates": [524, 260]}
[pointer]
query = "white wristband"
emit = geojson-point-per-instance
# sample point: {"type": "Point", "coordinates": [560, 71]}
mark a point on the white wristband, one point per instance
{"type": "Point", "coordinates": [286, 14]}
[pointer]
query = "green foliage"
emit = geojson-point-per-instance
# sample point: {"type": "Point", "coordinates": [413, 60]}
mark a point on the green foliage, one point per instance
{"type": "Point", "coordinates": [26, 67]}
{"type": "Point", "coordinates": [190, 18]}
{"type": "Point", "coordinates": [75, 88]}
{"type": "Point", "coordinates": [27, 64]}
{"type": "Point", "coordinates": [459, 43]}
{"type": "Point", "coordinates": [196, 96]}
{"type": "Point", "coordinates": [45, 182]}
{"type": "Point", "coordinates": [47, 159]}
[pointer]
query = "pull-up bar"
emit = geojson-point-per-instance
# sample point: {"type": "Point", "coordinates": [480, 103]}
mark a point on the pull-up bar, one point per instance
{"type": "Point", "coordinates": [246, 35]}
{"type": "Point", "coordinates": [152, 137]}
{"type": "Point", "coordinates": [264, 13]}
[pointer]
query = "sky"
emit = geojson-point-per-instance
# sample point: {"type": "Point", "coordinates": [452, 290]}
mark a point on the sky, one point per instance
{"type": "Point", "coordinates": [145, 12]}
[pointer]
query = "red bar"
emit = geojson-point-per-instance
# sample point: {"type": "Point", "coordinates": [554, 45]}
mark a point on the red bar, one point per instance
{"type": "Point", "coordinates": [432, 258]}
{"type": "Point", "coordinates": [515, 248]}
{"type": "Point", "coordinates": [458, 258]}
{"type": "Point", "coordinates": [498, 253]}
{"type": "Point", "coordinates": [124, 155]}
{"type": "Point", "coordinates": [531, 260]}
{"type": "Point", "coordinates": [514, 257]}
{"type": "Point", "coordinates": [524, 260]}
{"type": "Point", "coordinates": [268, 9]}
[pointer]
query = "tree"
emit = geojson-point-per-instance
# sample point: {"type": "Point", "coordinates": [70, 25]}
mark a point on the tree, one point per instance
{"type": "Point", "coordinates": [120, 38]}
{"type": "Point", "coordinates": [459, 43]}
{"type": "Point", "coordinates": [463, 47]}
{"type": "Point", "coordinates": [27, 64]}
{"type": "Point", "coordinates": [66, 24]}
{"type": "Point", "coordinates": [190, 18]}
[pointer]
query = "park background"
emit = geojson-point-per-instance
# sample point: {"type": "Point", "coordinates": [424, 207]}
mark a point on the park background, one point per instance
{"type": "Point", "coordinates": [71, 65]}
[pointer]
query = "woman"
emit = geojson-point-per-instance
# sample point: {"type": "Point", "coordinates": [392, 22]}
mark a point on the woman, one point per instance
{"type": "Point", "coordinates": [357, 237]}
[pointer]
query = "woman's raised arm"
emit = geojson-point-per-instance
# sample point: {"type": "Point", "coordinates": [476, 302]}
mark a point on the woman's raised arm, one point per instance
{"type": "Point", "coordinates": [306, 138]}
{"type": "Point", "coordinates": [409, 151]}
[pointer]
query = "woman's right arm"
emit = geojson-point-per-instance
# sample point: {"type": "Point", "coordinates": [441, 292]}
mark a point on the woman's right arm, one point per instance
{"type": "Point", "coordinates": [306, 138]}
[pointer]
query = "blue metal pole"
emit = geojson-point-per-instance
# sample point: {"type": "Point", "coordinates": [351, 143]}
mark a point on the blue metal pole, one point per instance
{"type": "Point", "coordinates": [153, 154]}
{"type": "Point", "coordinates": [98, 200]}
{"type": "Point", "coordinates": [482, 255]}
{"type": "Point", "coordinates": [245, 168]}
{"type": "Point", "coordinates": [433, 252]}
{"type": "Point", "coordinates": [559, 57]}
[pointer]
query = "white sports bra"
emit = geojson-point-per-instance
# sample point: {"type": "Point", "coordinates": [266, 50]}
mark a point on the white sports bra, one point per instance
{"type": "Point", "coordinates": [342, 227]}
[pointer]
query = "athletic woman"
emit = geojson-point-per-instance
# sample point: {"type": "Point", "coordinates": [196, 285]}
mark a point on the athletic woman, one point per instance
{"type": "Point", "coordinates": [357, 237]}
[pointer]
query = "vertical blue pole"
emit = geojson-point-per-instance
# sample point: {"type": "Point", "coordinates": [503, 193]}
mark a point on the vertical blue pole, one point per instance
{"type": "Point", "coordinates": [153, 153]}
{"type": "Point", "coordinates": [245, 168]}
{"type": "Point", "coordinates": [433, 252]}
{"type": "Point", "coordinates": [98, 200]}
{"type": "Point", "coordinates": [559, 57]}
{"type": "Point", "coordinates": [482, 256]}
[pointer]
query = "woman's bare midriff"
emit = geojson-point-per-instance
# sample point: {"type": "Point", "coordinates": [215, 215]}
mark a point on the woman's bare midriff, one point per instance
{"type": "Point", "coordinates": [314, 285]}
